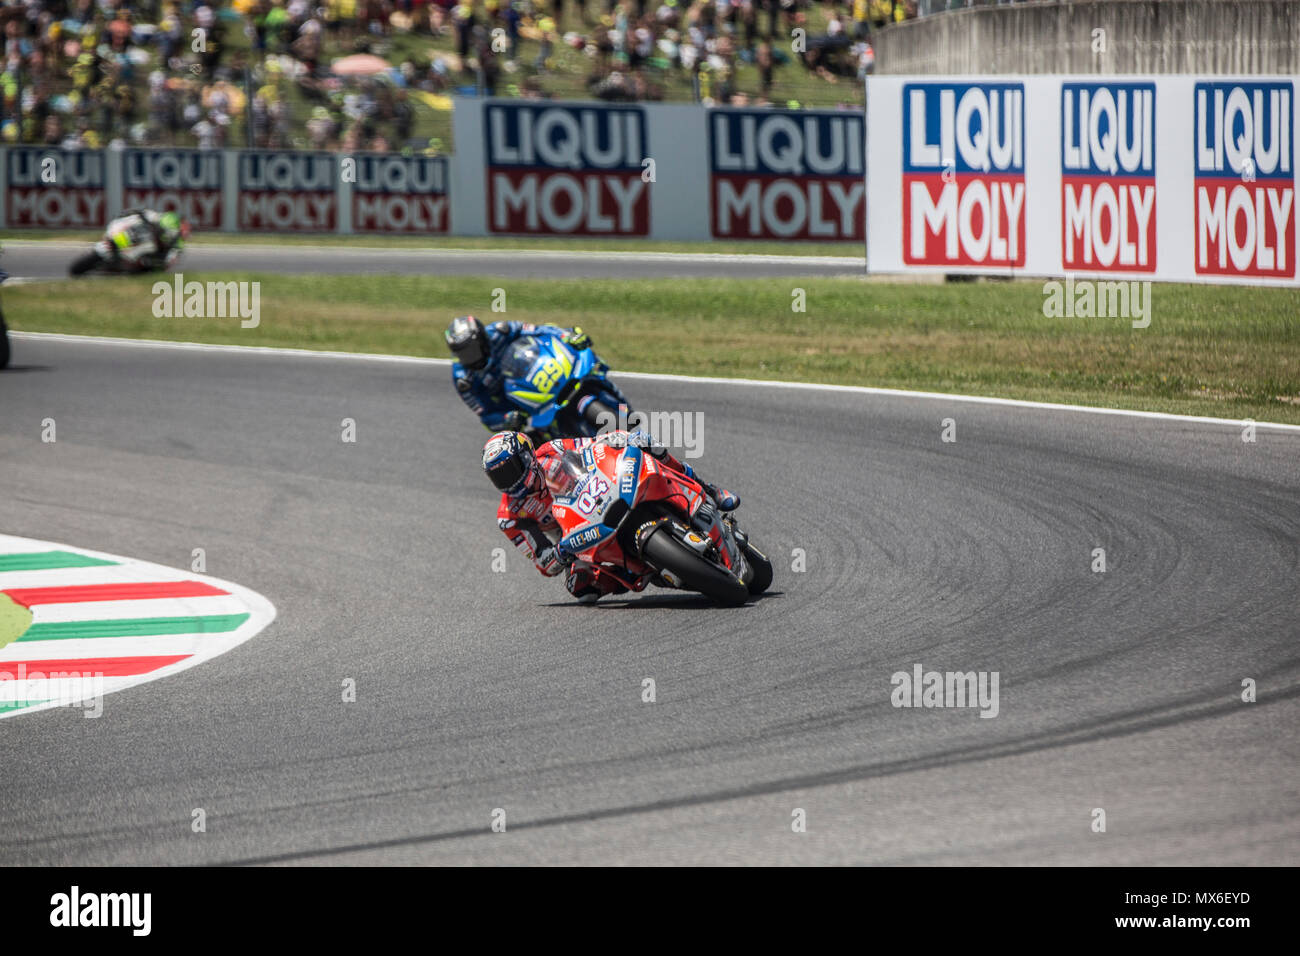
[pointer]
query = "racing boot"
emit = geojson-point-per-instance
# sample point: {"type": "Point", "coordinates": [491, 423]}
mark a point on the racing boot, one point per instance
{"type": "Point", "coordinates": [589, 585]}
{"type": "Point", "coordinates": [725, 500]}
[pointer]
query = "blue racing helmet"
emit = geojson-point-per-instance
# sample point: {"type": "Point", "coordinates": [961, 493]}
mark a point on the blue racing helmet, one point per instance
{"type": "Point", "coordinates": [510, 464]}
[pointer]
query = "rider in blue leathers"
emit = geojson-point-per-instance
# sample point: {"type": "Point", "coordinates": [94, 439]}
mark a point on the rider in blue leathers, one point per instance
{"type": "Point", "coordinates": [476, 370]}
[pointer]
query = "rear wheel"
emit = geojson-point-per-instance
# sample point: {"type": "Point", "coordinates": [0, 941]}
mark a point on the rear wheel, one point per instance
{"type": "Point", "coordinates": [83, 264]}
{"type": "Point", "coordinates": [598, 415]}
{"type": "Point", "coordinates": [696, 572]}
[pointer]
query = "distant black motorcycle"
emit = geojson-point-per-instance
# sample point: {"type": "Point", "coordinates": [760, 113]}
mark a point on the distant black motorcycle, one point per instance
{"type": "Point", "coordinates": [139, 240]}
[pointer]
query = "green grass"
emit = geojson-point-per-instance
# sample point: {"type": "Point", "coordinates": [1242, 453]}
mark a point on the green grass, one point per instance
{"type": "Point", "coordinates": [1232, 352]}
{"type": "Point", "coordinates": [14, 620]}
{"type": "Point", "coordinates": [604, 244]}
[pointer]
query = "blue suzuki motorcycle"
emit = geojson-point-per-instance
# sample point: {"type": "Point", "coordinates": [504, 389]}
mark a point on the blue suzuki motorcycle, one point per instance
{"type": "Point", "coordinates": [562, 389]}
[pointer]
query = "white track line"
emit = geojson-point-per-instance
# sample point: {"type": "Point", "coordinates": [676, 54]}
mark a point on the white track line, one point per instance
{"type": "Point", "coordinates": [652, 376]}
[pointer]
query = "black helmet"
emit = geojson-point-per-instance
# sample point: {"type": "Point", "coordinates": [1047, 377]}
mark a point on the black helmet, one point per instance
{"type": "Point", "coordinates": [468, 342]}
{"type": "Point", "coordinates": [510, 464]}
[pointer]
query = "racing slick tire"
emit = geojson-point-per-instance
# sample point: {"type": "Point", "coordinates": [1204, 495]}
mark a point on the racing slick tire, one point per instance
{"type": "Point", "coordinates": [598, 415]}
{"type": "Point", "coordinates": [83, 264]}
{"type": "Point", "coordinates": [697, 573]}
{"type": "Point", "coordinates": [762, 568]}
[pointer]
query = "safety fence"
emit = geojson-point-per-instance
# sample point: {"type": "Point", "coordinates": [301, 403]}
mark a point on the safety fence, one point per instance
{"type": "Point", "coordinates": [678, 172]}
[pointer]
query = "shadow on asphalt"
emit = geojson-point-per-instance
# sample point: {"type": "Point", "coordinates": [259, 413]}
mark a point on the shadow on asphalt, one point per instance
{"type": "Point", "coordinates": [679, 602]}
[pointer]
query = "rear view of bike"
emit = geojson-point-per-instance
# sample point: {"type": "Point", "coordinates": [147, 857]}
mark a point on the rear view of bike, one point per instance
{"type": "Point", "coordinates": [638, 512]}
{"type": "Point", "coordinates": [563, 390]}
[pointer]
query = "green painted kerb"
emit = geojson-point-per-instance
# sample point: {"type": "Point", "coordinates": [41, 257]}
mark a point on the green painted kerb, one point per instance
{"type": "Point", "coordinates": [135, 627]}
{"type": "Point", "coordinates": [14, 620]}
{"type": "Point", "coordinates": [47, 560]}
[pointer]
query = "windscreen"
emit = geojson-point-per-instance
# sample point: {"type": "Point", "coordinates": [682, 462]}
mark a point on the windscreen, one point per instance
{"type": "Point", "coordinates": [565, 474]}
{"type": "Point", "coordinates": [520, 357]}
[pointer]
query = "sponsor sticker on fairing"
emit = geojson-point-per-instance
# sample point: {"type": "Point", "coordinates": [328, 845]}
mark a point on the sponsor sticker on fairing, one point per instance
{"type": "Point", "coordinates": [287, 192]}
{"type": "Point", "coordinates": [184, 181]}
{"type": "Point", "coordinates": [566, 170]}
{"type": "Point", "coordinates": [630, 466]}
{"type": "Point", "coordinates": [54, 189]}
{"type": "Point", "coordinates": [1108, 177]}
{"type": "Point", "coordinates": [1244, 186]}
{"type": "Point", "coordinates": [581, 539]}
{"type": "Point", "coordinates": [786, 175]}
{"type": "Point", "coordinates": [401, 194]}
{"type": "Point", "coordinates": [963, 174]}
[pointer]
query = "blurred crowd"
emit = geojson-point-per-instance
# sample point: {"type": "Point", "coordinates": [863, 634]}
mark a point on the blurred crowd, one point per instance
{"type": "Point", "coordinates": [347, 74]}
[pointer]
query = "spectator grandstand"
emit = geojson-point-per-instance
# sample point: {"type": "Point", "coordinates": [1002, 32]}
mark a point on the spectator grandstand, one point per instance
{"type": "Point", "coordinates": [380, 75]}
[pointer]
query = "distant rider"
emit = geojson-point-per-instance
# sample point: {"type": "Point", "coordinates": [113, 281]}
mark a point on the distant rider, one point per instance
{"type": "Point", "coordinates": [477, 351]}
{"type": "Point", "coordinates": [527, 480]}
{"type": "Point", "coordinates": [147, 239]}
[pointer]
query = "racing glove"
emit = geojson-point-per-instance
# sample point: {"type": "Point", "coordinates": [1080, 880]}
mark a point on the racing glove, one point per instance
{"type": "Point", "coordinates": [514, 421]}
{"type": "Point", "coordinates": [551, 562]}
{"type": "Point", "coordinates": [646, 442]}
{"type": "Point", "coordinates": [563, 555]}
{"type": "Point", "coordinates": [577, 338]}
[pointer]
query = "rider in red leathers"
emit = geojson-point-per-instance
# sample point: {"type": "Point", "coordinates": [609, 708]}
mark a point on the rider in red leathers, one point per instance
{"type": "Point", "coordinates": [525, 478]}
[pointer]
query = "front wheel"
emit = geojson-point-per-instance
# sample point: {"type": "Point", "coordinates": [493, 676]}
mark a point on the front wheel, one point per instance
{"type": "Point", "coordinates": [762, 568]}
{"type": "Point", "coordinates": [696, 572]}
{"type": "Point", "coordinates": [83, 264]}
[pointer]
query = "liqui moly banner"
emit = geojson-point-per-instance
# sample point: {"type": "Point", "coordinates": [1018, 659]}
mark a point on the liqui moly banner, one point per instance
{"type": "Point", "coordinates": [398, 194]}
{"type": "Point", "coordinates": [566, 170]}
{"type": "Point", "coordinates": [1108, 177]}
{"type": "Point", "coordinates": [1244, 189]}
{"type": "Point", "coordinates": [963, 174]}
{"type": "Point", "coordinates": [55, 188]}
{"type": "Point", "coordinates": [786, 175]}
{"type": "Point", "coordinates": [287, 192]}
{"type": "Point", "coordinates": [1165, 177]}
{"type": "Point", "coordinates": [185, 181]}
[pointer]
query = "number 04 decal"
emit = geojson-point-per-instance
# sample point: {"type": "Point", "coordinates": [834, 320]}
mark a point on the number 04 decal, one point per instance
{"type": "Point", "coordinates": [595, 489]}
